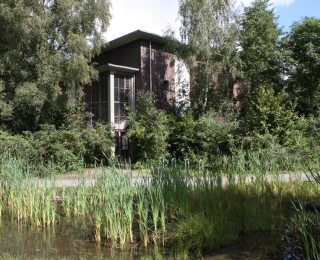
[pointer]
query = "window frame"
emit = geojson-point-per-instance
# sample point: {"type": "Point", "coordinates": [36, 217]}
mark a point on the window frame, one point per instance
{"type": "Point", "coordinates": [98, 103]}
{"type": "Point", "coordinates": [122, 96]}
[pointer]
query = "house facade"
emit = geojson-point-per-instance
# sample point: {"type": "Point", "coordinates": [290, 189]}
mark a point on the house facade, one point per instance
{"type": "Point", "coordinates": [129, 64]}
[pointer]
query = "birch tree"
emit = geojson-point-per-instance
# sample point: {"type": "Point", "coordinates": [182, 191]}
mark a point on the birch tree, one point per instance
{"type": "Point", "coordinates": [207, 44]}
{"type": "Point", "coordinates": [46, 49]}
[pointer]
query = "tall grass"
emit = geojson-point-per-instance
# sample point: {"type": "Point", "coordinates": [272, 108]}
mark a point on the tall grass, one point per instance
{"type": "Point", "coordinates": [191, 209]}
{"type": "Point", "coordinates": [306, 221]}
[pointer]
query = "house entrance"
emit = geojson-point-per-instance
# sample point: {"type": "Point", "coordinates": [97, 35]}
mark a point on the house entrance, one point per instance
{"type": "Point", "coordinates": [122, 150]}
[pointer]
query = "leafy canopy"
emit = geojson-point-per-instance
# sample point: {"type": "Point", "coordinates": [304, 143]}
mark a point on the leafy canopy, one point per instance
{"type": "Point", "coordinates": [303, 42]}
{"type": "Point", "coordinates": [260, 52]}
{"type": "Point", "coordinates": [208, 36]}
{"type": "Point", "coordinates": [269, 113]}
{"type": "Point", "coordinates": [46, 48]}
{"type": "Point", "coordinates": [149, 129]}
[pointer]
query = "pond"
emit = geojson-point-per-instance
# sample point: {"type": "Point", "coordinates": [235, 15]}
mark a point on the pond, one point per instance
{"type": "Point", "coordinates": [163, 217]}
{"type": "Point", "coordinates": [70, 239]}
{"type": "Point", "coordinates": [73, 238]}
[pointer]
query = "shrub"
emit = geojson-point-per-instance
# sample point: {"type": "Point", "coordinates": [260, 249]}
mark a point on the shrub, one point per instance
{"type": "Point", "coordinates": [198, 139]}
{"type": "Point", "coordinates": [68, 148]}
{"type": "Point", "coordinates": [268, 113]}
{"type": "Point", "coordinates": [149, 129]}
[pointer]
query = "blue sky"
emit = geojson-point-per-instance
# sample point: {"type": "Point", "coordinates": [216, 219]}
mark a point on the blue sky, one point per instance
{"type": "Point", "coordinates": [155, 15]}
{"type": "Point", "coordinates": [295, 11]}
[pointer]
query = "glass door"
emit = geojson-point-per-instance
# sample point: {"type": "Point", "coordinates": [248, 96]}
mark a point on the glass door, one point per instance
{"type": "Point", "coordinates": [122, 146]}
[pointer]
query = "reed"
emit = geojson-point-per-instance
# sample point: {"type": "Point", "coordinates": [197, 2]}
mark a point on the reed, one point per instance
{"type": "Point", "coordinates": [97, 226]}
{"type": "Point", "coordinates": [142, 212]}
{"type": "Point", "coordinates": [307, 225]}
{"type": "Point", "coordinates": [193, 209]}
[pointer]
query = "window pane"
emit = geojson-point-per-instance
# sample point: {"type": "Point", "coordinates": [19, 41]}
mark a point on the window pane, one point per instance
{"type": "Point", "coordinates": [122, 85]}
{"type": "Point", "coordinates": [95, 111]}
{"type": "Point", "coordinates": [122, 110]}
{"type": "Point", "coordinates": [116, 94]}
{"type": "Point", "coordinates": [125, 145]}
{"type": "Point", "coordinates": [128, 83]}
{"type": "Point", "coordinates": [123, 95]}
{"type": "Point", "coordinates": [121, 82]}
{"type": "Point", "coordinates": [116, 109]}
{"type": "Point", "coordinates": [104, 89]}
{"type": "Point", "coordinates": [126, 97]}
{"type": "Point", "coordinates": [116, 81]}
{"type": "Point", "coordinates": [88, 91]}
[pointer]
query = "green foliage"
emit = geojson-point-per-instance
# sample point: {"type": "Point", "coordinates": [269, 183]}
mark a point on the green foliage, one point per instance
{"type": "Point", "coordinates": [194, 214]}
{"type": "Point", "coordinates": [28, 103]}
{"type": "Point", "coordinates": [46, 52]}
{"type": "Point", "coordinates": [313, 128]}
{"type": "Point", "coordinates": [268, 113]}
{"type": "Point", "coordinates": [260, 54]}
{"type": "Point", "coordinates": [149, 129]}
{"type": "Point", "coordinates": [304, 137]}
{"type": "Point", "coordinates": [272, 125]}
{"type": "Point", "coordinates": [303, 43]}
{"type": "Point", "coordinates": [299, 136]}
{"type": "Point", "coordinates": [68, 148]}
{"type": "Point", "coordinates": [208, 35]}
{"type": "Point", "coordinates": [202, 138]}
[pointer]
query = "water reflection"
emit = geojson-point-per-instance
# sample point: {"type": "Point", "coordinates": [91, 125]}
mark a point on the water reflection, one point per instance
{"type": "Point", "coordinates": [67, 239]}
{"type": "Point", "coordinates": [73, 238]}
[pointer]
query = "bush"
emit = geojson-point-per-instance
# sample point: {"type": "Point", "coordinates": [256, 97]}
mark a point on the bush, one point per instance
{"type": "Point", "coordinates": [268, 113]}
{"type": "Point", "coordinates": [198, 139]}
{"type": "Point", "coordinates": [68, 148]}
{"type": "Point", "coordinates": [149, 129]}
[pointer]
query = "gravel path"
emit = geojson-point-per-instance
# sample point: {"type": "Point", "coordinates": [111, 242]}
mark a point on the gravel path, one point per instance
{"type": "Point", "coordinates": [89, 177]}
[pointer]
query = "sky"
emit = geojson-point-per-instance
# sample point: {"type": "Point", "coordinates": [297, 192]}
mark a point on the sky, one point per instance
{"type": "Point", "coordinates": [155, 16]}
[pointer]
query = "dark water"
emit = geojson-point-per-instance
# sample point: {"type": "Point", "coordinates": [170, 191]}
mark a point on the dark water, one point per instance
{"type": "Point", "coordinates": [255, 245]}
{"type": "Point", "coordinates": [73, 239]}
{"type": "Point", "coordinates": [67, 239]}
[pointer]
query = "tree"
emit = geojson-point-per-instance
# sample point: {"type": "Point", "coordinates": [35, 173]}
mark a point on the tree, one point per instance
{"type": "Point", "coordinates": [260, 52]}
{"type": "Point", "coordinates": [198, 139]}
{"type": "Point", "coordinates": [303, 42]}
{"type": "Point", "coordinates": [46, 48]}
{"type": "Point", "coordinates": [269, 113]}
{"type": "Point", "coordinates": [208, 35]}
{"type": "Point", "coordinates": [149, 129]}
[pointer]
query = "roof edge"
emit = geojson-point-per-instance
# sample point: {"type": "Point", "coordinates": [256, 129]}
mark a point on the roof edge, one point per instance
{"type": "Point", "coordinates": [110, 66]}
{"type": "Point", "coordinates": [133, 36]}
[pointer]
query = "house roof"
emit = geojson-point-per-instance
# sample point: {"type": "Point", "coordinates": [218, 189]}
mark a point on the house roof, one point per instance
{"type": "Point", "coordinates": [133, 36]}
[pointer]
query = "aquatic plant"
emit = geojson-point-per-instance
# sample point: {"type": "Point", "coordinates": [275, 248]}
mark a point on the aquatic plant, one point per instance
{"type": "Point", "coordinates": [193, 210]}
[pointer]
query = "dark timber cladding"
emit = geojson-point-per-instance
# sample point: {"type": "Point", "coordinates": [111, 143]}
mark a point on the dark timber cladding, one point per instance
{"type": "Point", "coordinates": [132, 63]}
{"type": "Point", "coordinates": [133, 50]}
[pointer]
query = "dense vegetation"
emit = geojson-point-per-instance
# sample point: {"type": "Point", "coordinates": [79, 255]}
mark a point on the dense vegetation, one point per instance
{"type": "Point", "coordinates": [42, 114]}
{"type": "Point", "coordinates": [46, 52]}
{"type": "Point", "coordinates": [271, 126]}
{"type": "Point", "coordinates": [277, 83]}
{"type": "Point", "coordinates": [165, 210]}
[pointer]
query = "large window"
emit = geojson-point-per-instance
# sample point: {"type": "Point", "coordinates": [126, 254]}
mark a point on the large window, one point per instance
{"type": "Point", "coordinates": [122, 88]}
{"type": "Point", "coordinates": [97, 100]}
